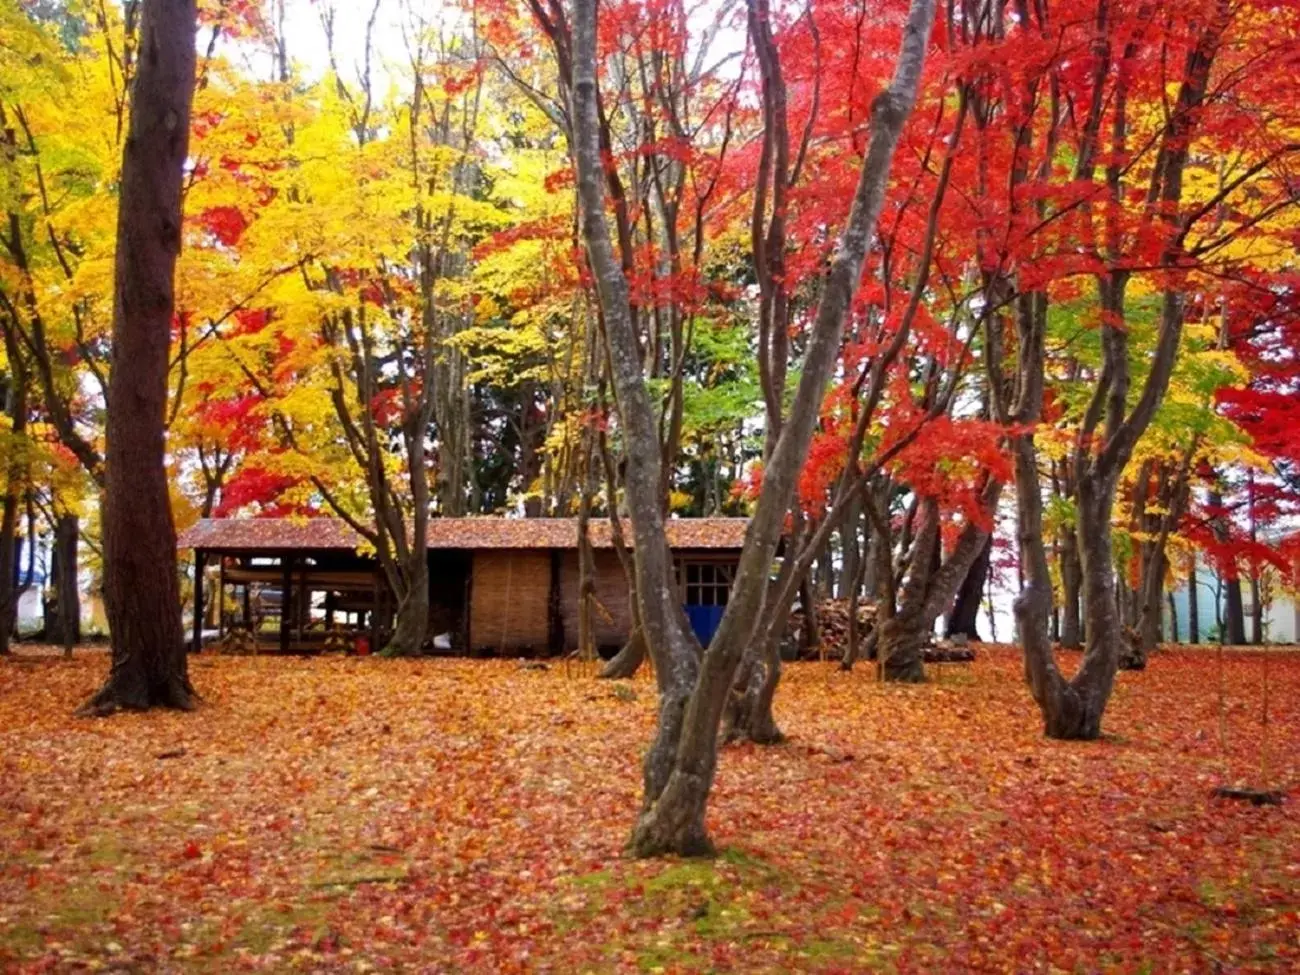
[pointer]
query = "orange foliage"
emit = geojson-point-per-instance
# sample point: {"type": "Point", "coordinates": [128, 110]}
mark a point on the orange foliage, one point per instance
{"type": "Point", "coordinates": [450, 815]}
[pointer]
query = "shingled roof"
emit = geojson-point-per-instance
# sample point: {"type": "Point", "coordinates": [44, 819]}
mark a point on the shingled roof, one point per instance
{"type": "Point", "coordinates": [279, 534]}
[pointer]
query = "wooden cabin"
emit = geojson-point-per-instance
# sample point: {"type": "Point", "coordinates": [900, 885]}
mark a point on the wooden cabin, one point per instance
{"type": "Point", "coordinates": [496, 585]}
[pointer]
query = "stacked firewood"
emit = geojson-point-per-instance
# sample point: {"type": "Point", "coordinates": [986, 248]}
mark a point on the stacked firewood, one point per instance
{"type": "Point", "coordinates": [948, 651]}
{"type": "Point", "coordinates": [237, 642]}
{"type": "Point", "coordinates": [833, 633]}
{"type": "Point", "coordinates": [833, 627]}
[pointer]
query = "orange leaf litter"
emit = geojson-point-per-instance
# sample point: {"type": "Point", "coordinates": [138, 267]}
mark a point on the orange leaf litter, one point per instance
{"type": "Point", "coordinates": [337, 815]}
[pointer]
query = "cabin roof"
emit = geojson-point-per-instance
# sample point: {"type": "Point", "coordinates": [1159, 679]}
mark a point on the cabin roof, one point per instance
{"type": "Point", "coordinates": [477, 532]}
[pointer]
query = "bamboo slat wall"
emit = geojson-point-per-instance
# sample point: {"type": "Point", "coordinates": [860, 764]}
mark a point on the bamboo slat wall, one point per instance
{"type": "Point", "coordinates": [611, 592]}
{"type": "Point", "coordinates": [509, 594]}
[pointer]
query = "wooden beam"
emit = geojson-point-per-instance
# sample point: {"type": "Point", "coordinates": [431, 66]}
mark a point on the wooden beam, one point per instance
{"type": "Point", "coordinates": [198, 600]}
{"type": "Point", "coordinates": [221, 597]}
{"type": "Point", "coordinates": [286, 588]}
{"type": "Point", "coordinates": [554, 613]}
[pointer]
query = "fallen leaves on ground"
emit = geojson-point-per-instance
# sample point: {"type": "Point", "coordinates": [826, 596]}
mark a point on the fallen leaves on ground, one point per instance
{"type": "Point", "coordinates": [454, 815]}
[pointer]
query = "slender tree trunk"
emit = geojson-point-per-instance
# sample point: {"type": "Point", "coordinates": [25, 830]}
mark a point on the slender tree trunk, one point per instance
{"type": "Point", "coordinates": [15, 478]}
{"type": "Point", "coordinates": [141, 579]}
{"type": "Point", "coordinates": [1233, 628]}
{"type": "Point", "coordinates": [1234, 622]}
{"type": "Point", "coordinates": [810, 636]}
{"type": "Point", "coordinates": [1193, 605]}
{"type": "Point", "coordinates": [1071, 582]}
{"type": "Point", "coordinates": [1173, 617]}
{"type": "Point", "coordinates": [63, 626]}
{"type": "Point", "coordinates": [1256, 611]}
{"type": "Point", "coordinates": [8, 573]}
{"type": "Point", "coordinates": [852, 551]}
{"type": "Point", "coordinates": [854, 644]}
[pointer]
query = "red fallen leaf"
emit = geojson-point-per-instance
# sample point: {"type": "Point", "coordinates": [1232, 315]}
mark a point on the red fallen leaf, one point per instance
{"type": "Point", "coordinates": [192, 850]}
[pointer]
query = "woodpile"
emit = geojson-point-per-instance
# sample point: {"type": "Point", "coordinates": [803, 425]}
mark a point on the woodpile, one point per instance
{"type": "Point", "coordinates": [833, 623]}
{"type": "Point", "coordinates": [238, 642]}
{"type": "Point", "coordinates": [944, 651]}
{"type": "Point", "coordinates": [833, 627]}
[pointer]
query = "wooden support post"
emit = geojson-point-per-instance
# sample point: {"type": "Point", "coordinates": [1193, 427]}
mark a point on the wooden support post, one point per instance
{"type": "Point", "coordinates": [302, 601]}
{"type": "Point", "coordinates": [286, 588]}
{"type": "Point", "coordinates": [198, 600]}
{"type": "Point", "coordinates": [467, 605]}
{"type": "Point", "coordinates": [554, 612]}
{"type": "Point", "coordinates": [374, 614]}
{"type": "Point", "coordinates": [221, 597]}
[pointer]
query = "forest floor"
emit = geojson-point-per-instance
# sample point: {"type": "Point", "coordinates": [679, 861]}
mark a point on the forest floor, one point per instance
{"type": "Point", "coordinates": [450, 815]}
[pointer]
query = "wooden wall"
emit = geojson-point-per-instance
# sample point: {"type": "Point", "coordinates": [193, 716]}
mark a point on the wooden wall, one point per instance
{"type": "Point", "coordinates": [509, 594]}
{"type": "Point", "coordinates": [611, 592]}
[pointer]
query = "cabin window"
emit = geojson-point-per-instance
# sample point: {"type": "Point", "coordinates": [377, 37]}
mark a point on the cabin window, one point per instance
{"type": "Point", "coordinates": [706, 583]}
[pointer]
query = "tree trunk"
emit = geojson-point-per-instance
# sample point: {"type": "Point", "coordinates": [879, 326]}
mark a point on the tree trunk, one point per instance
{"type": "Point", "coordinates": [810, 637]}
{"type": "Point", "coordinates": [1071, 581]}
{"type": "Point", "coordinates": [141, 579]}
{"type": "Point", "coordinates": [964, 618]}
{"type": "Point", "coordinates": [63, 625]}
{"type": "Point", "coordinates": [1256, 611]}
{"type": "Point", "coordinates": [8, 569]}
{"type": "Point", "coordinates": [1193, 605]}
{"type": "Point", "coordinates": [931, 584]}
{"type": "Point", "coordinates": [1234, 622]}
{"type": "Point", "coordinates": [854, 645]}
{"type": "Point", "coordinates": [1106, 642]}
{"type": "Point", "coordinates": [628, 660]}
{"type": "Point", "coordinates": [851, 549]}
{"type": "Point", "coordinates": [15, 478]}
{"type": "Point", "coordinates": [411, 623]}
{"type": "Point", "coordinates": [748, 715]}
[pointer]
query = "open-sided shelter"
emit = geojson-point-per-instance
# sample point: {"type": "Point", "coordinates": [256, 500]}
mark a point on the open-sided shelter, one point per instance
{"type": "Point", "coordinates": [506, 585]}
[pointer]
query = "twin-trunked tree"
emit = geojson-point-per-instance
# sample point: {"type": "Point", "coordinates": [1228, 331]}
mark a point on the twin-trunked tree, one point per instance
{"type": "Point", "coordinates": [694, 688]}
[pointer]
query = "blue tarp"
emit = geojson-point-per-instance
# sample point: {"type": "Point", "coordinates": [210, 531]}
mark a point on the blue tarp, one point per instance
{"type": "Point", "coordinates": [705, 620]}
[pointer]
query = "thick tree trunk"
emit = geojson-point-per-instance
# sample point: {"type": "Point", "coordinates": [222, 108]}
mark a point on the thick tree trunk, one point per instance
{"type": "Point", "coordinates": [964, 618]}
{"type": "Point", "coordinates": [411, 622]}
{"type": "Point", "coordinates": [931, 585]}
{"type": "Point", "coordinates": [627, 661]}
{"type": "Point", "coordinates": [141, 580]}
{"type": "Point", "coordinates": [1106, 642]}
{"type": "Point", "coordinates": [748, 715]}
{"type": "Point", "coordinates": [1071, 709]}
{"type": "Point", "coordinates": [898, 647]}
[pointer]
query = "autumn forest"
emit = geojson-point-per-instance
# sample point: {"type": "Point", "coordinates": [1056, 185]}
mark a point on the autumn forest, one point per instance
{"type": "Point", "coordinates": [861, 433]}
